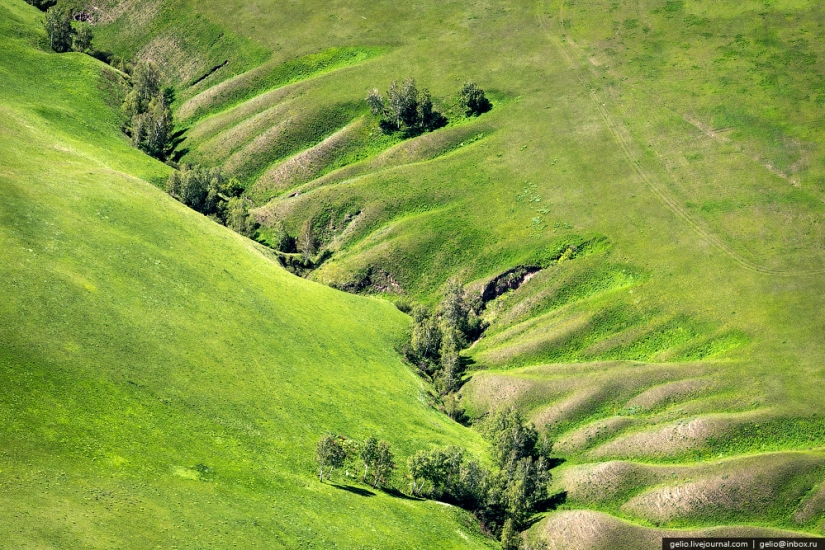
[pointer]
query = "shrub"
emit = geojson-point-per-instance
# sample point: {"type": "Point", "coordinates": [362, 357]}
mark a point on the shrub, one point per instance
{"type": "Point", "coordinates": [471, 98]}
{"type": "Point", "coordinates": [238, 217]}
{"type": "Point", "coordinates": [83, 36]}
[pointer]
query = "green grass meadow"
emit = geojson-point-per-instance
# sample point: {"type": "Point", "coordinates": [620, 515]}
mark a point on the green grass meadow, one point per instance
{"type": "Point", "coordinates": [164, 380]}
{"type": "Point", "coordinates": [662, 162]}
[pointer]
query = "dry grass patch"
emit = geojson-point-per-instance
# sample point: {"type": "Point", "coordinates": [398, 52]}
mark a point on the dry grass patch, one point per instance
{"type": "Point", "coordinates": [586, 530]}
{"type": "Point", "coordinates": [538, 337]}
{"type": "Point", "coordinates": [230, 141]}
{"type": "Point", "coordinates": [585, 437]}
{"type": "Point", "coordinates": [239, 161]}
{"type": "Point", "coordinates": [307, 164]}
{"type": "Point", "coordinates": [139, 12]}
{"type": "Point", "coordinates": [812, 506]}
{"type": "Point", "coordinates": [227, 119]}
{"type": "Point", "coordinates": [668, 393]}
{"type": "Point", "coordinates": [753, 486]}
{"type": "Point", "coordinates": [174, 62]}
{"type": "Point", "coordinates": [421, 148]}
{"type": "Point", "coordinates": [673, 439]}
{"type": "Point", "coordinates": [603, 481]}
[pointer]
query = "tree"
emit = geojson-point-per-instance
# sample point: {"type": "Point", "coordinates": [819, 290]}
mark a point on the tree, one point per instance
{"type": "Point", "coordinates": [369, 453]}
{"type": "Point", "coordinates": [450, 362]}
{"type": "Point", "coordinates": [375, 102]}
{"type": "Point", "coordinates": [471, 98]}
{"type": "Point", "coordinates": [329, 453]}
{"type": "Point", "coordinates": [419, 466]}
{"type": "Point", "coordinates": [147, 112]}
{"type": "Point", "coordinates": [58, 25]}
{"type": "Point", "coordinates": [405, 108]}
{"type": "Point", "coordinates": [426, 334]}
{"type": "Point", "coordinates": [239, 219]}
{"type": "Point", "coordinates": [383, 463]}
{"type": "Point", "coordinates": [151, 130]}
{"type": "Point", "coordinates": [512, 440]}
{"type": "Point", "coordinates": [307, 243]}
{"type": "Point", "coordinates": [199, 188]}
{"type": "Point", "coordinates": [282, 240]}
{"type": "Point", "coordinates": [454, 312]}
{"type": "Point", "coordinates": [510, 538]}
{"type": "Point", "coordinates": [146, 81]}
{"type": "Point", "coordinates": [83, 38]}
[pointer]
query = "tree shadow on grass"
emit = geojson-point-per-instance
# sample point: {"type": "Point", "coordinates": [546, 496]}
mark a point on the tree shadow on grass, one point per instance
{"type": "Point", "coordinates": [393, 492]}
{"type": "Point", "coordinates": [356, 490]}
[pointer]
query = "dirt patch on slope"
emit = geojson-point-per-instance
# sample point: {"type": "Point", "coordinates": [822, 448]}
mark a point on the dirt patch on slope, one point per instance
{"type": "Point", "coordinates": [666, 393]}
{"type": "Point", "coordinates": [306, 165]}
{"type": "Point", "coordinates": [812, 506]}
{"type": "Point", "coordinates": [587, 530]}
{"type": "Point", "coordinates": [586, 436]}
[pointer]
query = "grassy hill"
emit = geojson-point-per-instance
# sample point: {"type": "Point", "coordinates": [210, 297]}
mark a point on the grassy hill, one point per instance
{"type": "Point", "coordinates": [661, 162]}
{"type": "Point", "coordinates": [164, 381]}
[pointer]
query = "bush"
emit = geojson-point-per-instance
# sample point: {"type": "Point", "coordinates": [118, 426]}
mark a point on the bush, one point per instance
{"type": "Point", "coordinates": [83, 36]}
{"type": "Point", "coordinates": [238, 218]}
{"type": "Point", "coordinates": [471, 98]}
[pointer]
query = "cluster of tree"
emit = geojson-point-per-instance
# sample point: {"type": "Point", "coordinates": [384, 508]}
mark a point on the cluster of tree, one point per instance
{"type": "Point", "coordinates": [472, 100]}
{"type": "Point", "coordinates": [438, 337]}
{"type": "Point", "coordinates": [338, 451]}
{"type": "Point", "coordinates": [209, 192]}
{"type": "Point", "coordinates": [504, 498]}
{"type": "Point", "coordinates": [64, 34]}
{"type": "Point", "coordinates": [147, 112]}
{"type": "Point", "coordinates": [405, 108]}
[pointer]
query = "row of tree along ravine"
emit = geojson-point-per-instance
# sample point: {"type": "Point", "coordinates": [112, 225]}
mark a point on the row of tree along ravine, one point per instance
{"type": "Point", "coordinates": [503, 497]}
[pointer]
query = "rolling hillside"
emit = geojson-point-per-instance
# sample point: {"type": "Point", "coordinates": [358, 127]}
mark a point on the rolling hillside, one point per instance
{"type": "Point", "coordinates": [164, 380]}
{"type": "Point", "coordinates": [656, 166]}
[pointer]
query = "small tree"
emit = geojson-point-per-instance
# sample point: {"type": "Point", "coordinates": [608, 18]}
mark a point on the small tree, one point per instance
{"type": "Point", "coordinates": [369, 453]}
{"type": "Point", "coordinates": [151, 130]}
{"type": "Point", "coordinates": [383, 463]}
{"type": "Point", "coordinates": [238, 217]}
{"type": "Point", "coordinates": [375, 102]}
{"type": "Point", "coordinates": [426, 334]}
{"type": "Point", "coordinates": [471, 98]}
{"type": "Point", "coordinates": [307, 243]}
{"type": "Point", "coordinates": [83, 38]}
{"type": "Point", "coordinates": [58, 25]}
{"type": "Point", "coordinates": [146, 81]}
{"type": "Point", "coordinates": [419, 467]}
{"type": "Point", "coordinates": [329, 453]}
{"type": "Point", "coordinates": [510, 538]}
{"type": "Point", "coordinates": [282, 240]}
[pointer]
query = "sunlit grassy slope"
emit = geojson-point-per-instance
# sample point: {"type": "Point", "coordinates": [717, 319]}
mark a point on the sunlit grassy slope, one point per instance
{"type": "Point", "coordinates": [677, 144]}
{"type": "Point", "coordinates": [162, 380]}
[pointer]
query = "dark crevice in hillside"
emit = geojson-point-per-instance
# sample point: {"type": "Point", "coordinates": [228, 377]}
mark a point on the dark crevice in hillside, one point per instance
{"type": "Point", "coordinates": [505, 282]}
{"type": "Point", "coordinates": [209, 73]}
